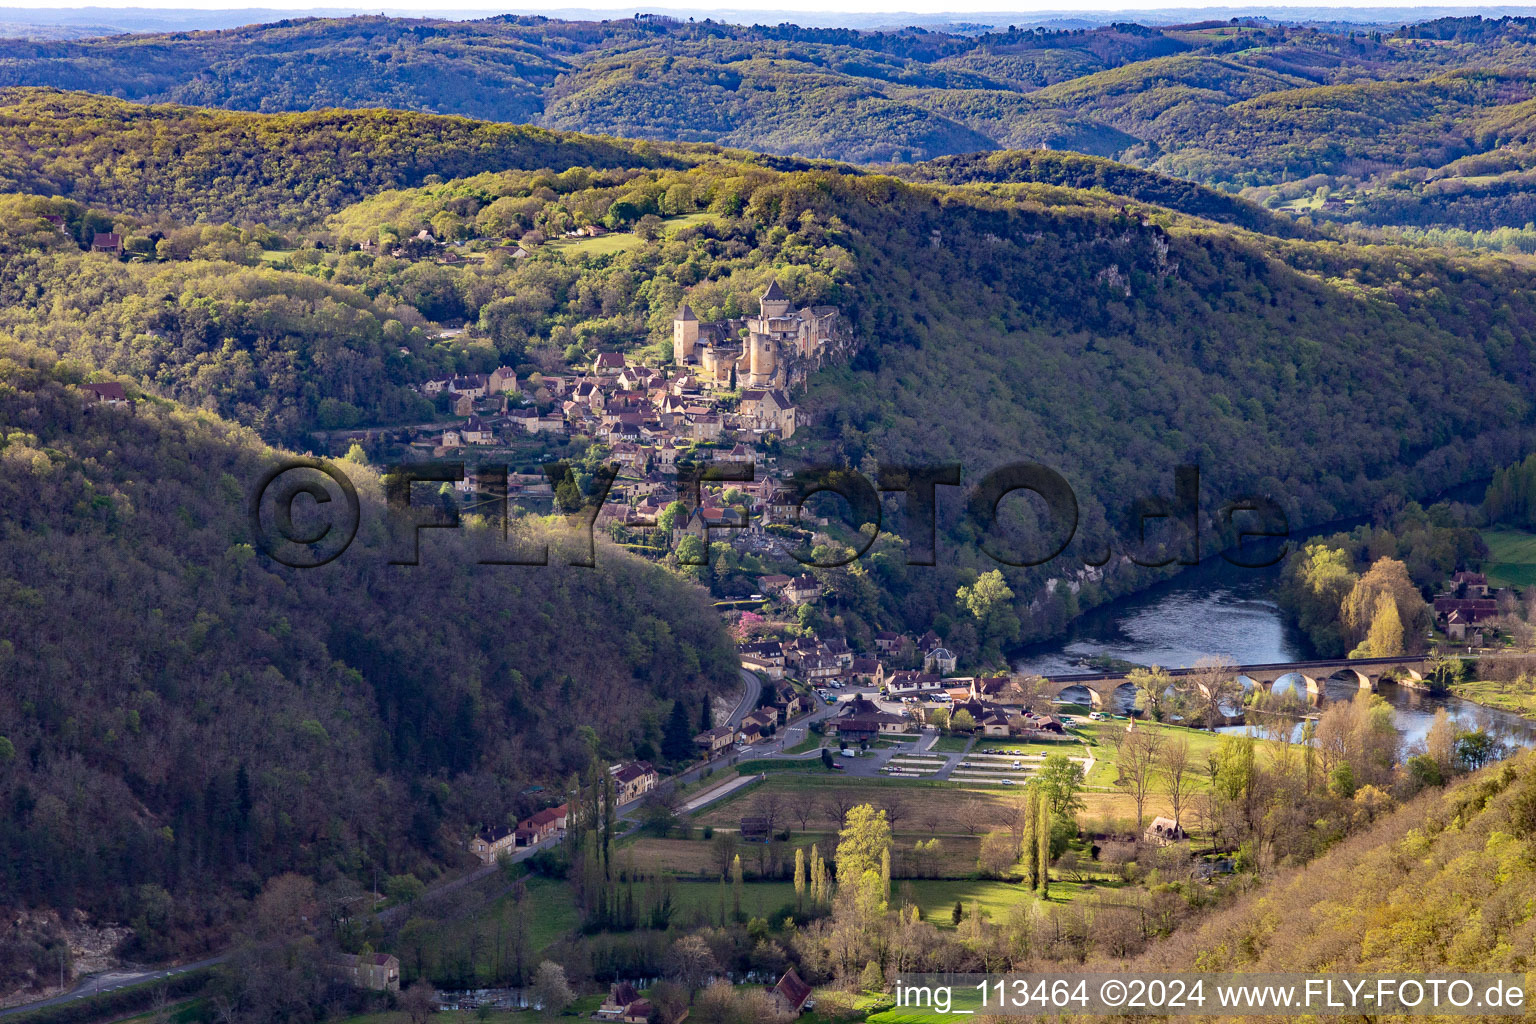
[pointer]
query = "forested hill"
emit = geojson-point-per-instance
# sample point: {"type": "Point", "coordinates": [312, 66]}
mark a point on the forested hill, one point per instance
{"type": "Point", "coordinates": [203, 165]}
{"type": "Point", "coordinates": [1075, 171]}
{"type": "Point", "coordinates": [182, 717]}
{"type": "Point", "coordinates": [1424, 125]}
{"type": "Point", "coordinates": [1445, 884]}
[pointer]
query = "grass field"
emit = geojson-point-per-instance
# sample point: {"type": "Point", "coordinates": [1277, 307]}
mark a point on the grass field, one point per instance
{"type": "Point", "coordinates": [935, 897]}
{"type": "Point", "coordinates": [602, 245]}
{"type": "Point", "coordinates": [701, 900]}
{"type": "Point", "coordinates": [950, 744]}
{"type": "Point", "coordinates": [689, 220]}
{"type": "Point", "coordinates": [1511, 558]}
{"type": "Point", "coordinates": [1506, 695]}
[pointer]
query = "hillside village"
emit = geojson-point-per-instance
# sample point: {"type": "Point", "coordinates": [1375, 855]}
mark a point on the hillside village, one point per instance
{"type": "Point", "coordinates": [726, 398]}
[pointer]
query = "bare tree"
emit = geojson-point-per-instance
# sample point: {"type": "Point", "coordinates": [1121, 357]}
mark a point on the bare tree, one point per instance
{"type": "Point", "coordinates": [836, 806]}
{"type": "Point", "coordinates": [690, 962]}
{"type": "Point", "coordinates": [895, 809]}
{"type": "Point", "coordinates": [803, 805]}
{"type": "Point", "coordinates": [725, 851]}
{"type": "Point", "coordinates": [417, 1001]}
{"type": "Point", "coordinates": [1179, 774]}
{"type": "Point", "coordinates": [1138, 768]}
{"type": "Point", "coordinates": [974, 816]}
{"type": "Point", "coordinates": [1209, 687]}
{"type": "Point", "coordinates": [768, 807]}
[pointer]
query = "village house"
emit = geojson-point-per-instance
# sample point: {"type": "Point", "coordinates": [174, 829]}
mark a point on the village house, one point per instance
{"type": "Point", "coordinates": [791, 702]}
{"type": "Point", "coordinates": [638, 1012]}
{"type": "Point", "coordinates": [768, 412]}
{"type": "Point", "coordinates": [1464, 612]}
{"type": "Point", "coordinates": [908, 682]}
{"type": "Point", "coordinates": [719, 738]}
{"type": "Point", "coordinates": [621, 996]}
{"type": "Point", "coordinates": [1163, 831]}
{"type": "Point", "coordinates": [107, 241]}
{"type": "Point", "coordinates": [820, 668]}
{"type": "Point", "coordinates": [502, 380]}
{"type": "Point", "coordinates": [489, 843]}
{"type": "Point", "coordinates": [791, 995]}
{"type": "Point", "coordinates": [993, 723]}
{"type": "Point", "coordinates": [608, 363]}
{"type": "Point", "coordinates": [1472, 584]}
{"type": "Point", "coordinates": [377, 972]}
{"type": "Point", "coordinates": [773, 583]}
{"type": "Point", "coordinates": [471, 385]}
{"type": "Point", "coordinates": [765, 718]}
{"type": "Point", "coordinates": [802, 589]}
{"type": "Point", "coordinates": [862, 719]}
{"type": "Point", "coordinates": [478, 431]}
{"type": "Point", "coordinates": [633, 779]}
{"type": "Point", "coordinates": [766, 657]}
{"type": "Point", "coordinates": [940, 661]}
{"type": "Point", "coordinates": [538, 827]}
{"type": "Point", "coordinates": [864, 670]}
{"type": "Point", "coordinates": [888, 643]}
{"type": "Point", "coordinates": [109, 393]}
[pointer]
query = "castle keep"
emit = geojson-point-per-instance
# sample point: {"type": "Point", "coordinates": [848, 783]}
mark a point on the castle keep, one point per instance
{"type": "Point", "coordinates": [773, 350]}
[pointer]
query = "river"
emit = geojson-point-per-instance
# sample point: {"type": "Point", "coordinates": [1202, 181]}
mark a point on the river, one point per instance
{"type": "Point", "coordinates": [1220, 609]}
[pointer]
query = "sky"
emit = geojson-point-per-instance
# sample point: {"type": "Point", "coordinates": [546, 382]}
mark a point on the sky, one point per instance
{"type": "Point", "coordinates": [865, 7]}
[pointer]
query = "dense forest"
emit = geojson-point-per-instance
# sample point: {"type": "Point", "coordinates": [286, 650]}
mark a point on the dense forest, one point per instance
{"type": "Point", "coordinates": [182, 717]}
{"type": "Point", "coordinates": [1425, 125]}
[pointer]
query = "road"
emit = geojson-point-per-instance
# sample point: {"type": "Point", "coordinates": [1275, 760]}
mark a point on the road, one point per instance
{"type": "Point", "coordinates": [748, 703]}
{"type": "Point", "coordinates": [111, 981]}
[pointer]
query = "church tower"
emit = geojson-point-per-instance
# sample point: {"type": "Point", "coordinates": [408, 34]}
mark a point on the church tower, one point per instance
{"type": "Point", "coordinates": [685, 334]}
{"type": "Point", "coordinates": [774, 302]}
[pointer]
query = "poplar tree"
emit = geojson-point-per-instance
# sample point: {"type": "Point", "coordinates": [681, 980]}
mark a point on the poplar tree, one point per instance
{"type": "Point", "coordinates": [800, 878]}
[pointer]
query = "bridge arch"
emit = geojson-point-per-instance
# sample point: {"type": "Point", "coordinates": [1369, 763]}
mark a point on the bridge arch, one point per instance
{"type": "Point", "coordinates": [1080, 693]}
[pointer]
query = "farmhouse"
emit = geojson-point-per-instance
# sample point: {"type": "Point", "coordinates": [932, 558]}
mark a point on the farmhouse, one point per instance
{"type": "Point", "coordinates": [791, 995]}
{"type": "Point", "coordinates": [105, 393]}
{"type": "Point", "coordinates": [378, 972]}
{"type": "Point", "coordinates": [488, 843]}
{"type": "Point", "coordinates": [621, 996]}
{"type": "Point", "coordinates": [539, 827]}
{"type": "Point", "coordinates": [1165, 830]}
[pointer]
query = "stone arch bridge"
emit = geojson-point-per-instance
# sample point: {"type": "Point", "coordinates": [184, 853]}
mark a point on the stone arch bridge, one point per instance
{"type": "Point", "coordinates": [1365, 673]}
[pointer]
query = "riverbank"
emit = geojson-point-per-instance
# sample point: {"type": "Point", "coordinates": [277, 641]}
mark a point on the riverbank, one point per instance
{"type": "Point", "coordinates": [1505, 695]}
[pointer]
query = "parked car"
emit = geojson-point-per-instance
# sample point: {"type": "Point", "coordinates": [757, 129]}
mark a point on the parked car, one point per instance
{"type": "Point", "coordinates": [1017, 766]}
{"type": "Point", "coordinates": [837, 765]}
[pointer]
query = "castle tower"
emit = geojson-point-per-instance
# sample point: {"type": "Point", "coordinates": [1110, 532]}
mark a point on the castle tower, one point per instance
{"type": "Point", "coordinates": [685, 334]}
{"type": "Point", "coordinates": [761, 350]}
{"type": "Point", "coordinates": [774, 302]}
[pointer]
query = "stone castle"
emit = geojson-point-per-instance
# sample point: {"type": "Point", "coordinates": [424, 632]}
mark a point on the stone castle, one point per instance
{"type": "Point", "coordinates": [775, 349]}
